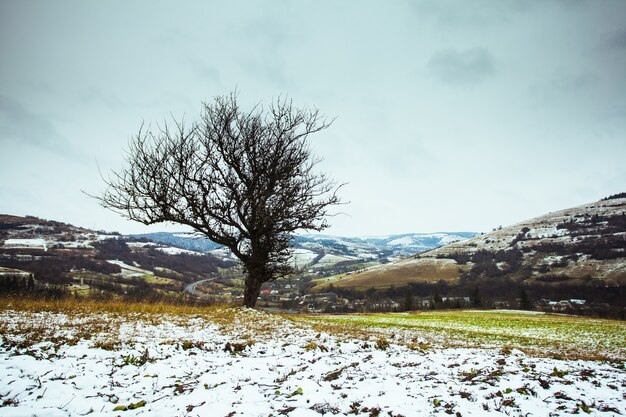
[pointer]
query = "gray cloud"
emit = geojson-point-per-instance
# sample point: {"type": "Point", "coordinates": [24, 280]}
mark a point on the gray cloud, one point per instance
{"type": "Point", "coordinates": [204, 71]}
{"type": "Point", "coordinates": [462, 67]}
{"type": "Point", "coordinates": [481, 13]}
{"type": "Point", "coordinates": [618, 40]}
{"type": "Point", "coordinates": [269, 69]}
{"type": "Point", "coordinates": [94, 95]}
{"type": "Point", "coordinates": [18, 124]}
{"type": "Point", "coordinates": [572, 82]}
{"type": "Point", "coordinates": [570, 92]}
{"type": "Point", "coordinates": [270, 41]}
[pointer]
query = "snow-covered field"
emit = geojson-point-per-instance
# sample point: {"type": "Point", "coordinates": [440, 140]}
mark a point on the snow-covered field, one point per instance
{"type": "Point", "coordinates": [302, 257]}
{"type": "Point", "coordinates": [177, 251]}
{"type": "Point", "coordinates": [38, 243]}
{"type": "Point", "coordinates": [330, 259]}
{"type": "Point", "coordinates": [229, 362]}
{"type": "Point", "coordinates": [130, 270]}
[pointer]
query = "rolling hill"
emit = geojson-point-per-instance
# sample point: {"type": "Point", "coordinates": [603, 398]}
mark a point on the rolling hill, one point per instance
{"type": "Point", "coordinates": [578, 252]}
{"type": "Point", "coordinates": [67, 258]}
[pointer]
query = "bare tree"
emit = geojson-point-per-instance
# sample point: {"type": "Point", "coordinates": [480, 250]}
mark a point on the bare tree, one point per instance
{"type": "Point", "coordinates": [245, 180]}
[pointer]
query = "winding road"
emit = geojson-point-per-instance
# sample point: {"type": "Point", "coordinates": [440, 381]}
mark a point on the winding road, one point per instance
{"type": "Point", "coordinates": [191, 288]}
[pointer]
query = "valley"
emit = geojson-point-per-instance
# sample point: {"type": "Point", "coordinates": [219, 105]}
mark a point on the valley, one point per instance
{"type": "Point", "coordinates": [572, 261]}
{"type": "Point", "coordinates": [180, 267]}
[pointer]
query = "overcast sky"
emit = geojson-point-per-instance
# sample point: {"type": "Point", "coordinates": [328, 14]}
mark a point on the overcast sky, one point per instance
{"type": "Point", "coordinates": [451, 115]}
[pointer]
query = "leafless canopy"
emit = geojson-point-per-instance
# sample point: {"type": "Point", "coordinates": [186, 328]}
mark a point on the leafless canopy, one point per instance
{"type": "Point", "coordinates": [245, 180]}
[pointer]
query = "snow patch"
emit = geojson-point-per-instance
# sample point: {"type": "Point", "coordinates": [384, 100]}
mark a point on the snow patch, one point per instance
{"type": "Point", "coordinates": [129, 270]}
{"type": "Point", "coordinates": [26, 244]}
{"type": "Point", "coordinates": [177, 251]}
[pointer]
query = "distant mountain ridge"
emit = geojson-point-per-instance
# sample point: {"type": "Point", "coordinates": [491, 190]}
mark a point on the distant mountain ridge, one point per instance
{"type": "Point", "coordinates": [395, 246]}
{"type": "Point", "coordinates": [365, 248]}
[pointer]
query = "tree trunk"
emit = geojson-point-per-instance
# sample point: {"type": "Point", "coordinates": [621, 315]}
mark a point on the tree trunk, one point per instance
{"type": "Point", "coordinates": [252, 290]}
{"type": "Point", "coordinates": [257, 274]}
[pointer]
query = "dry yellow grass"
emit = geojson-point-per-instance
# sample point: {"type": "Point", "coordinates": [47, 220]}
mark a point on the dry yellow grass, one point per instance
{"type": "Point", "coordinates": [69, 320]}
{"type": "Point", "coordinates": [27, 322]}
{"type": "Point", "coordinates": [86, 306]}
{"type": "Point", "coordinates": [400, 273]}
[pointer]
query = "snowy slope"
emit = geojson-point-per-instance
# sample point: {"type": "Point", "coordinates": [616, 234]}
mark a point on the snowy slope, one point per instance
{"type": "Point", "coordinates": [189, 241]}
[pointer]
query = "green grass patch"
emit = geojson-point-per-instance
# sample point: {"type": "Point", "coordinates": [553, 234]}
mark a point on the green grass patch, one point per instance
{"type": "Point", "coordinates": [553, 335]}
{"type": "Point", "coordinates": [325, 281]}
{"type": "Point", "coordinates": [155, 279]}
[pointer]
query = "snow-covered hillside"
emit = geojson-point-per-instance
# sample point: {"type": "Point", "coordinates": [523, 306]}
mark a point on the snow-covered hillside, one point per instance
{"type": "Point", "coordinates": [600, 219]}
{"type": "Point", "coordinates": [189, 241]}
{"type": "Point", "coordinates": [84, 261]}
{"type": "Point", "coordinates": [34, 233]}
